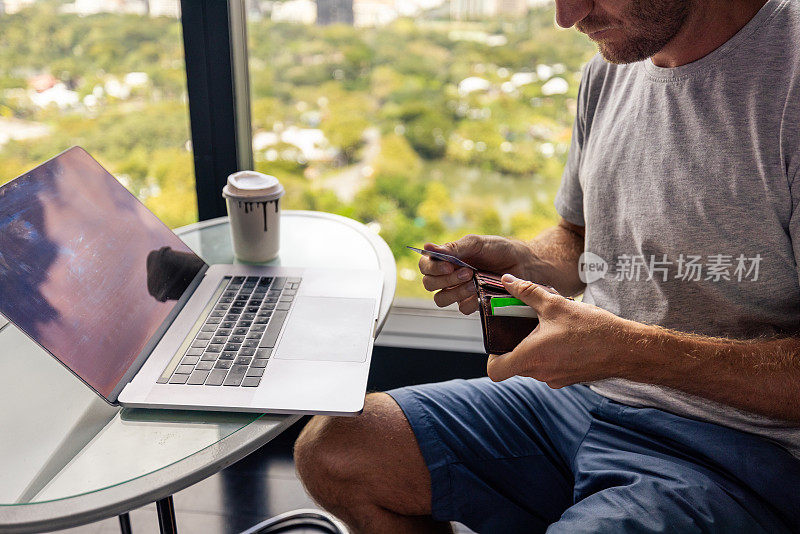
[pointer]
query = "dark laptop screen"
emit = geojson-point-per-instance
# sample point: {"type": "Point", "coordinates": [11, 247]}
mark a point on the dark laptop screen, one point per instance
{"type": "Point", "coordinates": [85, 269]}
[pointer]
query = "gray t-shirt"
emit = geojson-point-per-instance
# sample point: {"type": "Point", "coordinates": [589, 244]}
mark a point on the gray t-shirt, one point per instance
{"type": "Point", "coordinates": [688, 183]}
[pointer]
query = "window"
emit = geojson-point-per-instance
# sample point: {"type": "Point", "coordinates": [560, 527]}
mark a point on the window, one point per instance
{"type": "Point", "coordinates": [108, 76]}
{"type": "Point", "coordinates": [423, 119]}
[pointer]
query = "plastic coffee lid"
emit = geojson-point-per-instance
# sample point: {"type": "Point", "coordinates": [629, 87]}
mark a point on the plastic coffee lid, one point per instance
{"type": "Point", "coordinates": [253, 185]}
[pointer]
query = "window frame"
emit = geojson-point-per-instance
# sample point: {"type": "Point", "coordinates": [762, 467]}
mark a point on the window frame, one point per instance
{"type": "Point", "coordinates": [218, 86]}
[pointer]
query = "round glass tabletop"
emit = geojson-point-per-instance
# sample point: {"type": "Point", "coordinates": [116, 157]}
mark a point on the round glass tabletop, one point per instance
{"type": "Point", "coordinates": [65, 446]}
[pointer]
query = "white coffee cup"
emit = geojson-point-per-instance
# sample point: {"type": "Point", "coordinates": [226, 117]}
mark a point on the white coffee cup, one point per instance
{"type": "Point", "coordinates": [253, 201]}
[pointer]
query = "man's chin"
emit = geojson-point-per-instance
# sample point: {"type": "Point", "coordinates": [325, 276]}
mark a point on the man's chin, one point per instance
{"type": "Point", "coordinates": [622, 54]}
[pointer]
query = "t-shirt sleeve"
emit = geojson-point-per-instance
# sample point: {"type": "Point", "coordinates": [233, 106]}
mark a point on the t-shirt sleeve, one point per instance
{"type": "Point", "coordinates": [569, 198]}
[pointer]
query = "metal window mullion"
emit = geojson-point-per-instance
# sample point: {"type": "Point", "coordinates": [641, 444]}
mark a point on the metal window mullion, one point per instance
{"type": "Point", "coordinates": [215, 48]}
{"type": "Point", "coordinates": [241, 82]}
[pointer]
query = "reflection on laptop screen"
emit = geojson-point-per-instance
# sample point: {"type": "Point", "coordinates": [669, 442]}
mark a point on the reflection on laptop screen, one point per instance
{"type": "Point", "coordinates": [85, 269]}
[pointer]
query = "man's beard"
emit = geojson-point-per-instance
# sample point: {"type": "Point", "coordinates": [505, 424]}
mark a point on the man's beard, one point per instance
{"type": "Point", "coordinates": [649, 25]}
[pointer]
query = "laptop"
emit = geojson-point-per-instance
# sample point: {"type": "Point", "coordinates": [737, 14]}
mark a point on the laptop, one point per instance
{"type": "Point", "coordinates": [99, 282]}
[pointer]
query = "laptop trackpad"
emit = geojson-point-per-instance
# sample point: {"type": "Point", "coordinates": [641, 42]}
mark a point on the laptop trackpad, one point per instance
{"type": "Point", "coordinates": [326, 328]}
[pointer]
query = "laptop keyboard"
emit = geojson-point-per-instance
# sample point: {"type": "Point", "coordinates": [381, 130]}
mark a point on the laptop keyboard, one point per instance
{"type": "Point", "coordinates": [236, 340]}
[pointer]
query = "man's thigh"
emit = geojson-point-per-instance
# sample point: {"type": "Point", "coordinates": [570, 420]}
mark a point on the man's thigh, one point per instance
{"type": "Point", "coordinates": [499, 454]}
{"type": "Point", "coordinates": [643, 470]}
{"type": "Point", "coordinates": [663, 504]}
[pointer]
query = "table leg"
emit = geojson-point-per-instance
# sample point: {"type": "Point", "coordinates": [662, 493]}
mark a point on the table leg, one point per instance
{"type": "Point", "coordinates": [166, 516]}
{"type": "Point", "coordinates": [125, 523]}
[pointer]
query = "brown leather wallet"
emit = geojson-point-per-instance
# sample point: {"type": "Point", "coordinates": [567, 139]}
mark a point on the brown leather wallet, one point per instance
{"type": "Point", "coordinates": [500, 334]}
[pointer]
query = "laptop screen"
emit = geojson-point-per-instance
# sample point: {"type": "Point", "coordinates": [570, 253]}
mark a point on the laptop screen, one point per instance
{"type": "Point", "coordinates": [85, 269]}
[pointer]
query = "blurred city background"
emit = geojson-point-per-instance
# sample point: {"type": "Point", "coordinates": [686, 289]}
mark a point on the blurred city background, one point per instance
{"type": "Point", "coordinates": [424, 119]}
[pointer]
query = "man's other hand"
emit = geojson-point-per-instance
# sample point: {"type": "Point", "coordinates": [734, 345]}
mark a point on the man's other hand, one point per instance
{"type": "Point", "coordinates": [573, 342]}
{"type": "Point", "coordinates": [454, 284]}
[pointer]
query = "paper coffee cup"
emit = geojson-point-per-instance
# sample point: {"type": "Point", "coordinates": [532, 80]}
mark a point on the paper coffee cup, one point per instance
{"type": "Point", "coordinates": [253, 201]}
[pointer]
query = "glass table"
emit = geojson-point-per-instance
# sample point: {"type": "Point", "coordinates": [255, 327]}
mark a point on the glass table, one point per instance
{"type": "Point", "coordinates": [68, 458]}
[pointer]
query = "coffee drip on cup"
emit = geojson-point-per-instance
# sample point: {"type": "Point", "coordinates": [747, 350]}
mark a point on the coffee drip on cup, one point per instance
{"type": "Point", "coordinates": [247, 192]}
{"type": "Point", "coordinates": [261, 188]}
{"type": "Point", "coordinates": [249, 206]}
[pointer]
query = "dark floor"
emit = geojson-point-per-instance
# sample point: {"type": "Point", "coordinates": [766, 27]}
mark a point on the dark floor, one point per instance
{"type": "Point", "coordinates": [264, 484]}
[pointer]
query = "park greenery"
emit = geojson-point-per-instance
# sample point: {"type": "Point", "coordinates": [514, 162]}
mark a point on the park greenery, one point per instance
{"type": "Point", "coordinates": [417, 156]}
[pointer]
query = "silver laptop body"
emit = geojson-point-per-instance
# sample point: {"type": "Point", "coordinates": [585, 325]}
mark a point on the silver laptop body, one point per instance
{"type": "Point", "coordinates": [93, 277]}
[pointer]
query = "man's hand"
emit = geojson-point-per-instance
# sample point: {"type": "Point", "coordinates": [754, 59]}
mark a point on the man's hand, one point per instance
{"type": "Point", "coordinates": [454, 284]}
{"type": "Point", "coordinates": [569, 345]}
{"type": "Point", "coordinates": [551, 258]}
{"type": "Point", "coordinates": [578, 342]}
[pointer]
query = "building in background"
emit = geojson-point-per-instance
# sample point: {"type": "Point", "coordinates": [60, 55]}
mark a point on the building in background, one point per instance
{"type": "Point", "coordinates": [12, 6]}
{"type": "Point", "coordinates": [470, 9]}
{"type": "Point", "coordinates": [164, 8]}
{"type": "Point", "coordinates": [369, 13]}
{"type": "Point", "coordinates": [91, 7]}
{"type": "Point", "coordinates": [412, 8]}
{"type": "Point", "coordinates": [334, 12]}
{"type": "Point", "coordinates": [511, 8]}
{"type": "Point", "coordinates": [153, 8]}
{"type": "Point", "coordinates": [12, 129]}
{"type": "Point", "coordinates": [483, 9]}
{"type": "Point", "coordinates": [295, 11]}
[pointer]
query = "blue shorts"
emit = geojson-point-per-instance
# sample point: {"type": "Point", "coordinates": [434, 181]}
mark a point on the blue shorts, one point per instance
{"type": "Point", "coordinates": [517, 456]}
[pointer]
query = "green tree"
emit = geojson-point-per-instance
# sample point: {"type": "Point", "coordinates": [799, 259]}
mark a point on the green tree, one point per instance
{"type": "Point", "coordinates": [427, 128]}
{"type": "Point", "coordinates": [176, 200]}
{"type": "Point", "coordinates": [436, 206]}
{"type": "Point", "coordinates": [344, 122]}
{"type": "Point", "coordinates": [397, 158]}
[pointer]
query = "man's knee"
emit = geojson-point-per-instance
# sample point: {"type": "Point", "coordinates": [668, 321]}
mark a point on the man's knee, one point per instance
{"type": "Point", "coordinates": [344, 458]}
{"type": "Point", "coordinates": [335, 448]}
{"type": "Point", "coordinates": [320, 452]}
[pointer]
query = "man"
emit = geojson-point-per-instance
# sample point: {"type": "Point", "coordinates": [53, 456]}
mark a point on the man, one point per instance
{"type": "Point", "coordinates": [678, 408]}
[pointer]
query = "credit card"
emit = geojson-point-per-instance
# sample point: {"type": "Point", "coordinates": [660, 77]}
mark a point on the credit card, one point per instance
{"type": "Point", "coordinates": [443, 257]}
{"type": "Point", "coordinates": [510, 307]}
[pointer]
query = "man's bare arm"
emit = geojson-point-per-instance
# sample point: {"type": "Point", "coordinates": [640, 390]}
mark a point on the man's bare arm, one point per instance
{"type": "Point", "coordinates": [577, 342]}
{"type": "Point", "coordinates": [760, 376]}
{"type": "Point", "coordinates": [554, 257]}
